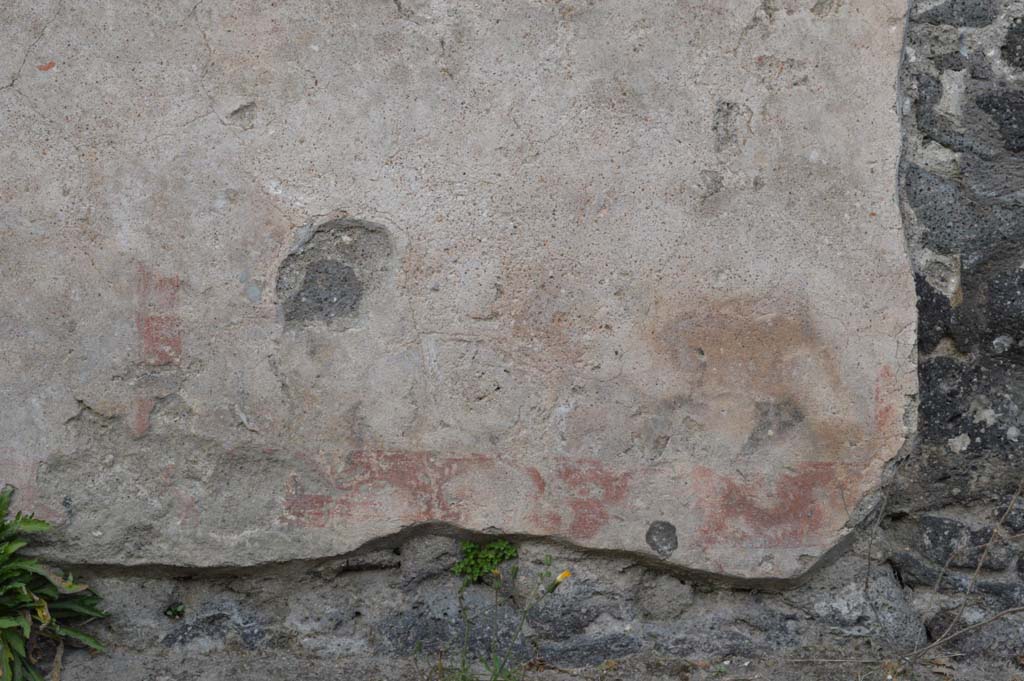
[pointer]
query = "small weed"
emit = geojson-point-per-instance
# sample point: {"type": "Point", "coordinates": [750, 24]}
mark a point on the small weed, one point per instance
{"type": "Point", "coordinates": [175, 611]}
{"type": "Point", "coordinates": [479, 561]}
{"type": "Point", "coordinates": [36, 602]}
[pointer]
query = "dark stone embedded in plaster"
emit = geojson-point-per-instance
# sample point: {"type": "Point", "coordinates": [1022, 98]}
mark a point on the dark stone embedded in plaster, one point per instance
{"type": "Point", "coordinates": [329, 289]}
{"type": "Point", "coordinates": [327, 277]}
{"type": "Point", "coordinates": [661, 537]}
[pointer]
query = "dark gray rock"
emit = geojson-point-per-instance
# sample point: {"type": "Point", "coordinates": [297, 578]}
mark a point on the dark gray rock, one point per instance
{"type": "Point", "coordinates": [428, 556]}
{"type": "Point", "coordinates": [950, 542]}
{"type": "Point", "coordinates": [961, 13]}
{"type": "Point", "coordinates": [1013, 46]}
{"type": "Point", "coordinates": [574, 606]}
{"type": "Point", "coordinates": [591, 650]}
{"type": "Point", "coordinates": [217, 627]}
{"type": "Point", "coordinates": [718, 633]}
{"type": "Point", "coordinates": [1000, 638]}
{"type": "Point", "coordinates": [1012, 515]}
{"type": "Point", "coordinates": [1006, 107]}
{"type": "Point", "coordinates": [856, 598]}
{"type": "Point", "coordinates": [440, 617]}
{"type": "Point", "coordinates": [661, 537]}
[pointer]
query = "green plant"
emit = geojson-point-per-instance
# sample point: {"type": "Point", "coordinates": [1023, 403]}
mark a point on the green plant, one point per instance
{"type": "Point", "coordinates": [479, 561]}
{"type": "Point", "coordinates": [36, 602]}
{"type": "Point", "coordinates": [175, 611]}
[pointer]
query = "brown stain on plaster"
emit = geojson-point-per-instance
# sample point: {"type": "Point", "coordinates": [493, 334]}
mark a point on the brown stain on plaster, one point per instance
{"type": "Point", "coordinates": [780, 483]}
{"type": "Point", "coordinates": [732, 357]}
{"type": "Point", "coordinates": [422, 486]}
{"type": "Point", "coordinates": [547, 313]}
{"type": "Point", "coordinates": [158, 326]}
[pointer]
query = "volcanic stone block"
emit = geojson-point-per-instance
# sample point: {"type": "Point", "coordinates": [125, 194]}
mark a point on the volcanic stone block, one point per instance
{"type": "Point", "coordinates": [282, 279]}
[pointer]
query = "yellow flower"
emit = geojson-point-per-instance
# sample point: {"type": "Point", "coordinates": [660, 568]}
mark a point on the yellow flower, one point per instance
{"type": "Point", "coordinates": [558, 580]}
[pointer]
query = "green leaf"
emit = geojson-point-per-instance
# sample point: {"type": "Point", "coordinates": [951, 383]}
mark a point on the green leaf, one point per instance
{"type": "Point", "coordinates": [5, 501]}
{"type": "Point", "coordinates": [79, 636]}
{"type": "Point", "coordinates": [13, 585]}
{"type": "Point", "coordinates": [20, 565]}
{"type": "Point", "coordinates": [11, 603]}
{"type": "Point", "coordinates": [33, 674]}
{"type": "Point", "coordinates": [29, 523]}
{"type": "Point", "coordinates": [14, 642]}
{"type": "Point", "coordinates": [5, 662]}
{"type": "Point", "coordinates": [64, 586]}
{"type": "Point", "coordinates": [80, 606]}
{"type": "Point", "coordinates": [45, 589]}
{"type": "Point", "coordinates": [35, 599]}
{"type": "Point", "coordinates": [480, 561]}
{"type": "Point", "coordinates": [10, 547]}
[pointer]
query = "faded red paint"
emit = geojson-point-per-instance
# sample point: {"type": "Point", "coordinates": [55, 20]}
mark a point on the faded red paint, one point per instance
{"type": "Point", "coordinates": [410, 486]}
{"type": "Point", "coordinates": [423, 486]}
{"type": "Point", "coordinates": [307, 510]}
{"type": "Point", "coordinates": [885, 412]}
{"type": "Point", "coordinates": [156, 319]}
{"type": "Point", "coordinates": [185, 503]}
{"type": "Point", "coordinates": [792, 510]}
{"type": "Point", "coordinates": [417, 481]}
{"type": "Point", "coordinates": [142, 407]}
{"type": "Point", "coordinates": [21, 475]}
{"type": "Point", "coordinates": [47, 66]}
{"type": "Point", "coordinates": [592, 490]}
{"type": "Point", "coordinates": [161, 339]}
{"type": "Point", "coordinates": [547, 521]}
{"type": "Point", "coordinates": [537, 478]}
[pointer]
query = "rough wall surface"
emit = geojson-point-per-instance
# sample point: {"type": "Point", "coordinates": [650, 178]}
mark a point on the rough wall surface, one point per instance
{"type": "Point", "coordinates": [896, 589]}
{"type": "Point", "coordinates": [284, 278]}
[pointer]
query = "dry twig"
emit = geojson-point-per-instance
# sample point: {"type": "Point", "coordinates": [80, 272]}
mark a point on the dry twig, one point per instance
{"type": "Point", "coordinates": [948, 634]}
